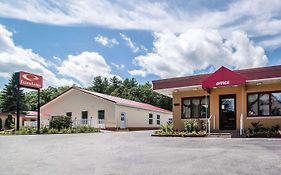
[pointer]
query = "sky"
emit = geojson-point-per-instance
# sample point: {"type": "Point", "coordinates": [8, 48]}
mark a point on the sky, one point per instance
{"type": "Point", "coordinates": [71, 42]}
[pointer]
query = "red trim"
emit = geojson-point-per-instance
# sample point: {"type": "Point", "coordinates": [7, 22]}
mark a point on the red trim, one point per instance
{"type": "Point", "coordinates": [196, 80]}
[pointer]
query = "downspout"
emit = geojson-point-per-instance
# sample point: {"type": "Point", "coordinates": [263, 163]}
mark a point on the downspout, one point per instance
{"type": "Point", "coordinates": [242, 111]}
{"type": "Point", "coordinates": [207, 106]}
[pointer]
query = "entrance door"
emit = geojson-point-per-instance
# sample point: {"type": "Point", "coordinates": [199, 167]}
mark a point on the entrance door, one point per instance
{"type": "Point", "coordinates": [123, 120]}
{"type": "Point", "coordinates": [227, 112]}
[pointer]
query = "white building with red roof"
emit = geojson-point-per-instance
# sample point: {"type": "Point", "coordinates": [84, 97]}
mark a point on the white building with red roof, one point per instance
{"type": "Point", "coordinates": [105, 111]}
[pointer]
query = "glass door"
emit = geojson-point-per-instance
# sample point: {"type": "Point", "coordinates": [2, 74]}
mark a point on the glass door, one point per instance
{"type": "Point", "coordinates": [227, 112]}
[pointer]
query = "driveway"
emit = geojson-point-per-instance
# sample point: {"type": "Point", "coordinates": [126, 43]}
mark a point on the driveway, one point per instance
{"type": "Point", "coordinates": [127, 153]}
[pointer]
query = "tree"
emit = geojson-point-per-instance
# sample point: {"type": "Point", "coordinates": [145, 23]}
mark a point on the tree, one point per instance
{"type": "Point", "coordinates": [9, 96]}
{"type": "Point", "coordinates": [100, 85]}
{"type": "Point", "coordinates": [9, 123]}
{"type": "Point", "coordinates": [46, 95]}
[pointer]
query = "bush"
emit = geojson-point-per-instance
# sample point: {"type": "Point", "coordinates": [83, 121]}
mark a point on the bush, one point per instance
{"type": "Point", "coordinates": [167, 128]}
{"type": "Point", "coordinates": [26, 131]}
{"type": "Point", "coordinates": [193, 126]}
{"type": "Point", "coordinates": [60, 122]}
{"type": "Point", "coordinates": [9, 123]}
{"type": "Point", "coordinates": [257, 130]}
{"type": "Point", "coordinates": [1, 124]}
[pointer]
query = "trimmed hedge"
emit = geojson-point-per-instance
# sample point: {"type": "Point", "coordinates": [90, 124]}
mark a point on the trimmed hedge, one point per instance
{"type": "Point", "coordinates": [60, 122]}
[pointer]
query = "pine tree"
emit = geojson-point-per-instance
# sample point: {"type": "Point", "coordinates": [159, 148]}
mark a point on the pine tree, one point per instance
{"type": "Point", "coordinates": [9, 96]}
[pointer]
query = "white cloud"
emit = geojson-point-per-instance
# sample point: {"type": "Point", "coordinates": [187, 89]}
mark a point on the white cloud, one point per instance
{"type": "Point", "coordinates": [103, 40]}
{"type": "Point", "coordinates": [15, 58]}
{"type": "Point", "coordinates": [258, 18]}
{"type": "Point", "coordinates": [118, 66]}
{"type": "Point", "coordinates": [133, 46]}
{"type": "Point", "coordinates": [84, 67]}
{"type": "Point", "coordinates": [271, 43]}
{"type": "Point", "coordinates": [198, 50]}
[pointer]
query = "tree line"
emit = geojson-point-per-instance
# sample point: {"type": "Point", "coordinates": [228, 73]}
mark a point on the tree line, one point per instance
{"type": "Point", "coordinates": [127, 88]}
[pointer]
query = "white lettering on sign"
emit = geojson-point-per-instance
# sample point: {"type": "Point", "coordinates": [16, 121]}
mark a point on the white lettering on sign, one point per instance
{"type": "Point", "coordinates": [222, 83]}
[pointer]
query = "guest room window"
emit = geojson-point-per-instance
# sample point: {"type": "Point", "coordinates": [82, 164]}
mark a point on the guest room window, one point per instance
{"type": "Point", "coordinates": [69, 114]}
{"type": "Point", "coordinates": [158, 120]}
{"type": "Point", "coordinates": [150, 119]}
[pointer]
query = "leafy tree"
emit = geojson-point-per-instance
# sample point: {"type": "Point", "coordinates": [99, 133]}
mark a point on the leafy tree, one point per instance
{"type": "Point", "coordinates": [100, 85]}
{"type": "Point", "coordinates": [46, 95]}
{"type": "Point", "coordinates": [9, 96]}
{"type": "Point", "coordinates": [9, 123]}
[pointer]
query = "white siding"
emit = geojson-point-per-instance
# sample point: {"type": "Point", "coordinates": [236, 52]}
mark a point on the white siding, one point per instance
{"type": "Point", "coordinates": [76, 101]}
{"type": "Point", "coordinates": [137, 117]}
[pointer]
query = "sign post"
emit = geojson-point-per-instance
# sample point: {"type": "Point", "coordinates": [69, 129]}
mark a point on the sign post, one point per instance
{"type": "Point", "coordinates": [31, 81]}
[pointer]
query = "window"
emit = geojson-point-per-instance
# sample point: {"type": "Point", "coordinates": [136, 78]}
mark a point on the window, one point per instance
{"type": "Point", "coordinates": [158, 120]}
{"type": "Point", "coordinates": [101, 114]}
{"type": "Point", "coordinates": [253, 104]}
{"type": "Point", "coordinates": [264, 104]}
{"type": "Point", "coordinates": [150, 119]}
{"type": "Point", "coordinates": [84, 117]}
{"type": "Point", "coordinates": [68, 114]}
{"type": "Point", "coordinates": [195, 107]}
{"type": "Point", "coordinates": [276, 103]}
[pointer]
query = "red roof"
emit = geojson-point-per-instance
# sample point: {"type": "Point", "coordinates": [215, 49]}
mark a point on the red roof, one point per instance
{"type": "Point", "coordinates": [223, 77]}
{"type": "Point", "coordinates": [34, 113]}
{"type": "Point", "coordinates": [196, 80]}
{"type": "Point", "coordinates": [125, 102]}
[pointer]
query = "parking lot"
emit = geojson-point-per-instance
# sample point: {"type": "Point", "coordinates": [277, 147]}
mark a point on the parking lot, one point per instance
{"type": "Point", "coordinates": [125, 153]}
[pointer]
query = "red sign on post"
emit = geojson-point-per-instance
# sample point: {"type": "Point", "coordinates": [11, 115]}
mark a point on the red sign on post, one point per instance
{"type": "Point", "coordinates": [30, 80]}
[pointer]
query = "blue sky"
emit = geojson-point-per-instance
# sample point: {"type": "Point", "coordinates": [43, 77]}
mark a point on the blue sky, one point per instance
{"type": "Point", "coordinates": [70, 43]}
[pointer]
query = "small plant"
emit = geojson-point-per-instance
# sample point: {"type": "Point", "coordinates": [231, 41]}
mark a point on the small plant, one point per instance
{"type": "Point", "coordinates": [9, 123]}
{"type": "Point", "coordinates": [44, 130]}
{"type": "Point", "coordinates": [167, 128]}
{"type": "Point", "coordinates": [53, 131]}
{"type": "Point", "coordinates": [274, 129]}
{"type": "Point", "coordinates": [257, 127]}
{"type": "Point", "coordinates": [193, 126]}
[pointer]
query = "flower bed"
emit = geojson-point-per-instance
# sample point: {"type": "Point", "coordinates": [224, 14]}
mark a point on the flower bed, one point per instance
{"type": "Point", "coordinates": [193, 128]}
{"type": "Point", "coordinates": [258, 131]}
{"type": "Point", "coordinates": [45, 130]}
{"type": "Point", "coordinates": [179, 134]}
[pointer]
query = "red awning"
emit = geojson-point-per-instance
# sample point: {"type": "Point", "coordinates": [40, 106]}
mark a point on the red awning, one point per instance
{"type": "Point", "coordinates": [223, 77]}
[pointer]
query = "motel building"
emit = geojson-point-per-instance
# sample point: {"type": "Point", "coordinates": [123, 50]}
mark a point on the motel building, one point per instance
{"type": "Point", "coordinates": [226, 99]}
{"type": "Point", "coordinates": [104, 111]}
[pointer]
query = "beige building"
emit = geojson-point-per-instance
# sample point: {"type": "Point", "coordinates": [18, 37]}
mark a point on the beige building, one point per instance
{"type": "Point", "coordinates": [105, 111]}
{"type": "Point", "coordinates": [227, 100]}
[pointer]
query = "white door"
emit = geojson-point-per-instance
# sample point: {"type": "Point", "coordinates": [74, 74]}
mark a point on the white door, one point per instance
{"type": "Point", "coordinates": [123, 120]}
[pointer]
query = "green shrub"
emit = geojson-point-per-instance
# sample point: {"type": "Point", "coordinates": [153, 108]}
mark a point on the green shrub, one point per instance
{"type": "Point", "coordinates": [191, 126]}
{"type": "Point", "coordinates": [53, 131]}
{"type": "Point", "coordinates": [9, 123]}
{"type": "Point", "coordinates": [60, 122]}
{"type": "Point", "coordinates": [1, 124]}
{"type": "Point", "coordinates": [274, 129]}
{"type": "Point", "coordinates": [167, 128]}
{"type": "Point", "coordinates": [26, 131]}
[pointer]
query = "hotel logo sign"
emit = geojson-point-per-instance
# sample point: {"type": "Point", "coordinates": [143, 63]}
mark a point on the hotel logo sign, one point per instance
{"type": "Point", "coordinates": [222, 83]}
{"type": "Point", "coordinates": [29, 80]}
